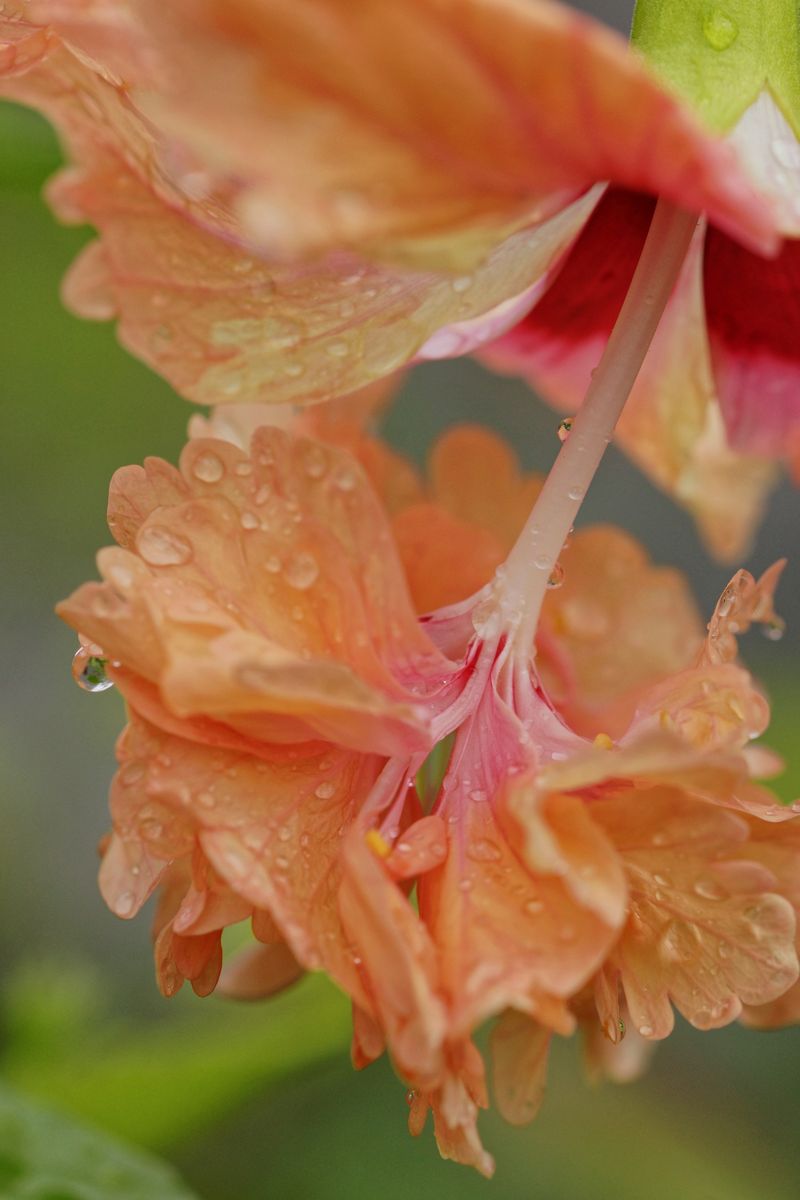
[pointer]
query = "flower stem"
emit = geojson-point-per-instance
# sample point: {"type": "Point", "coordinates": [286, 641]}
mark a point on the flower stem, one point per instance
{"type": "Point", "coordinates": [535, 553]}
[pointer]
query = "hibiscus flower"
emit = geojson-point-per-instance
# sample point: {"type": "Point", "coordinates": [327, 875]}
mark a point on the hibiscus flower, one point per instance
{"type": "Point", "coordinates": [595, 810]}
{"type": "Point", "coordinates": [294, 200]}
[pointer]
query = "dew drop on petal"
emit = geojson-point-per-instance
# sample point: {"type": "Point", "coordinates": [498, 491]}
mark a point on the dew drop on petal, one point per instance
{"type": "Point", "coordinates": [646, 1030]}
{"type": "Point", "coordinates": [575, 493]}
{"type": "Point", "coordinates": [709, 890]}
{"type": "Point", "coordinates": [301, 571]}
{"type": "Point", "coordinates": [565, 428]}
{"type": "Point", "coordinates": [337, 349]}
{"type": "Point", "coordinates": [316, 462]}
{"type": "Point", "coordinates": [719, 30]}
{"type": "Point", "coordinates": [344, 478]}
{"type": "Point", "coordinates": [483, 850]}
{"type": "Point", "coordinates": [89, 672]}
{"type": "Point", "coordinates": [248, 520]}
{"type": "Point", "coordinates": [325, 790]}
{"type": "Point", "coordinates": [208, 467]}
{"type": "Point", "coordinates": [162, 548]}
{"type": "Point", "coordinates": [124, 904]}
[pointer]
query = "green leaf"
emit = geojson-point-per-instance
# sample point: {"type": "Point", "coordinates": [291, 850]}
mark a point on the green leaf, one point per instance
{"type": "Point", "coordinates": [159, 1084]}
{"type": "Point", "coordinates": [720, 57]}
{"type": "Point", "coordinates": [48, 1157]}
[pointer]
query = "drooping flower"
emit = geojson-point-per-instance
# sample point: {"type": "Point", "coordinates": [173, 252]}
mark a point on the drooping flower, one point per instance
{"type": "Point", "coordinates": [592, 815]}
{"type": "Point", "coordinates": [273, 233]}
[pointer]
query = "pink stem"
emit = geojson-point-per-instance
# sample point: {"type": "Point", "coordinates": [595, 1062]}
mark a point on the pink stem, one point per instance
{"type": "Point", "coordinates": [522, 582]}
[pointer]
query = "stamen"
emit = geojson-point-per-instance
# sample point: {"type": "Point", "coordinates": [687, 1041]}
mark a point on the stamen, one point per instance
{"type": "Point", "coordinates": [604, 742]}
{"type": "Point", "coordinates": [377, 843]}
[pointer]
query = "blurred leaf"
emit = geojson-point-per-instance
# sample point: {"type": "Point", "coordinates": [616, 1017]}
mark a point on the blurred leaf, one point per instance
{"type": "Point", "coordinates": [161, 1083]}
{"type": "Point", "coordinates": [28, 148]}
{"type": "Point", "coordinates": [47, 1157]}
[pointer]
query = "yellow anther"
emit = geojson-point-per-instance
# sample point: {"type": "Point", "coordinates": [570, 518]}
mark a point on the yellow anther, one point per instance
{"type": "Point", "coordinates": [604, 742]}
{"type": "Point", "coordinates": [378, 843]}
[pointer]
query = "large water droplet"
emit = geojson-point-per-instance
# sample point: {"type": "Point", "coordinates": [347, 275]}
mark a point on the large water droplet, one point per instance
{"type": "Point", "coordinates": [89, 672]}
{"type": "Point", "coordinates": [719, 30]}
{"type": "Point", "coordinates": [248, 520]}
{"type": "Point", "coordinates": [301, 571]}
{"type": "Point", "coordinates": [161, 547]}
{"type": "Point", "coordinates": [483, 850]}
{"type": "Point", "coordinates": [208, 467]}
{"type": "Point", "coordinates": [325, 790]}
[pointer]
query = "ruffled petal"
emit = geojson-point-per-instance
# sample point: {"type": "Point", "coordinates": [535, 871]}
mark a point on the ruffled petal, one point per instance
{"type": "Point", "coordinates": [271, 832]}
{"type": "Point", "coordinates": [262, 591]}
{"type": "Point", "coordinates": [188, 126]}
{"type": "Point", "coordinates": [705, 933]}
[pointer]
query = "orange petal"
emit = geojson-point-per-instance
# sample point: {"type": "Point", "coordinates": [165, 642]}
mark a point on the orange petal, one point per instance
{"type": "Point", "coordinates": [619, 624]}
{"type": "Point", "coordinates": [520, 1049]}
{"type": "Point", "coordinates": [265, 593]}
{"type": "Point", "coordinates": [271, 831]}
{"type": "Point", "coordinates": [699, 934]}
{"type": "Point", "coordinates": [259, 972]}
{"type": "Point", "coordinates": [445, 173]}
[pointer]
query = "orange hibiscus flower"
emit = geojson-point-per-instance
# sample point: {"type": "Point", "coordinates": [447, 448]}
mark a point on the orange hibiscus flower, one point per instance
{"type": "Point", "coordinates": [587, 856]}
{"type": "Point", "coordinates": [296, 199]}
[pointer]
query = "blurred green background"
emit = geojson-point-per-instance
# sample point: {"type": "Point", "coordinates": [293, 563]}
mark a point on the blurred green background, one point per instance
{"type": "Point", "coordinates": [260, 1101]}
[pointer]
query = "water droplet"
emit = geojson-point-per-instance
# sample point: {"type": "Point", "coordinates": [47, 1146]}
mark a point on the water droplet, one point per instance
{"type": "Point", "coordinates": [565, 428]}
{"type": "Point", "coordinates": [89, 672]}
{"type": "Point", "coordinates": [337, 349]}
{"type": "Point", "coordinates": [272, 564]}
{"type": "Point", "coordinates": [125, 904]}
{"type": "Point", "coordinates": [248, 520]}
{"type": "Point", "coordinates": [719, 30]}
{"type": "Point", "coordinates": [462, 284]}
{"type": "Point", "coordinates": [293, 369]}
{"type": "Point", "coordinates": [316, 462]}
{"type": "Point", "coordinates": [465, 885]}
{"type": "Point", "coordinates": [344, 478]}
{"type": "Point", "coordinates": [575, 493]}
{"type": "Point", "coordinates": [556, 577]}
{"type": "Point", "coordinates": [161, 547]}
{"type": "Point", "coordinates": [131, 773]}
{"type": "Point", "coordinates": [244, 468]}
{"type": "Point", "coordinates": [301, 571]}
{"type": "Point", "coordinates": [208, 467]}
{"type": "Point", "coordinates": [483, 850]}
{"type": "Point", "coordinates": [410, 1098]}
{"type": "Point", "coordinates": [533, 907]}
{"type": "Point", "coordinates": [774, 629]}
{"type": "Point", "coordinates": [709, 889]}
{"type": "Point", "coordinates": [646, 1030]}
{"type": "Point", "coordinates": [325, 790]}
{"type": "Point", "coordinates": [206, 799]}
{"type": "Point", "coordinates": [542, 563]}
